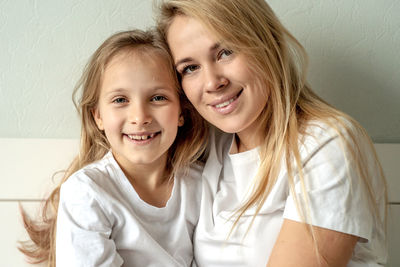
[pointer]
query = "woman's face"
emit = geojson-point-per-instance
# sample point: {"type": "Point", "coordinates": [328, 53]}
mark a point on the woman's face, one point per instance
{"type": "Point", "coordinates": [218, 81]}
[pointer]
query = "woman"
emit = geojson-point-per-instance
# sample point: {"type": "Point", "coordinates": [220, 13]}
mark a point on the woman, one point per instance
{"type": "Point", "coordinates": [297, 182]}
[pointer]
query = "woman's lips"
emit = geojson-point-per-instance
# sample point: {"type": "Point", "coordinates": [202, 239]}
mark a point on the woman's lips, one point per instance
{"type": "Point", "coordinates": [226, 106]}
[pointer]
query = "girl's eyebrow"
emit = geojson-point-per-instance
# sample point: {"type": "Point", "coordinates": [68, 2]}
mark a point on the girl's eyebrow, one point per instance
{"type": "Point", "coordinates": [188, 59]}
{"type": "Point", "coordinates": [152, 88]}
{"type": "Point", "coordinates": [113, 91]}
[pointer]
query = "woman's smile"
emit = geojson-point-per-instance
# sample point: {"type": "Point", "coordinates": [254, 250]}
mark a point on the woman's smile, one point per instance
{"type": "Point", "coordinates": [227, 104]}
{"type": "Point", "coordinates": [216, 79]}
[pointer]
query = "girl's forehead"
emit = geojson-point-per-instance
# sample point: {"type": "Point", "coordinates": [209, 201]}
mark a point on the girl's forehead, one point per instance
{"type": "Point", "coordinates": [138, 70]}
{"type": "Point", "coordinates": [140, 58]}
{"type": "Point", "coordinates": [141, 54]}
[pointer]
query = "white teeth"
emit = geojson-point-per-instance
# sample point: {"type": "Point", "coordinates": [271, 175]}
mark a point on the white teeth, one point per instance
{"type": "Point", "coordinates": [225, 103]}
{"type": "Point", "coordinates": [140, 137]}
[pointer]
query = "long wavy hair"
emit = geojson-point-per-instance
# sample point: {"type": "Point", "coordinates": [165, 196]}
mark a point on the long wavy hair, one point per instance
{"type": "Point", "coordinates": [187, 147]}
{"type": "Point", "coordinates": [280, 63]}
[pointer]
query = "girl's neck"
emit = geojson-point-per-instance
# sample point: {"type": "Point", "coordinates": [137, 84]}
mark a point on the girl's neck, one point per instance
{"type": "Point", "coordinates": [152, 182]}
{"type": "Point", "coordinates": [156, 193]}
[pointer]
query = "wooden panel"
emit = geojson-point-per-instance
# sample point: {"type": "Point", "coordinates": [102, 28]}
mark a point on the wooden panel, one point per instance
{"type": "Point", "coordinates": [12, 231]}
{"type": "Point", "coordinates": [389, 155]}
{"type": "Point", "coordinates": [394, 236]}
{"type": "Point", "coordinates": [29, 164]}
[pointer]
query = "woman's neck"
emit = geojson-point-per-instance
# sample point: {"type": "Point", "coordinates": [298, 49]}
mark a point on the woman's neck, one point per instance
{"type": "Point", "coordinates": [244, 142]}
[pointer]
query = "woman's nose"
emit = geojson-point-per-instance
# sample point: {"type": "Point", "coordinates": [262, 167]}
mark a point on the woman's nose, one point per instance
{"type": "Point", "coordinates": [214, 79]}
{"type": "Point", "coordinates": [139, 114]}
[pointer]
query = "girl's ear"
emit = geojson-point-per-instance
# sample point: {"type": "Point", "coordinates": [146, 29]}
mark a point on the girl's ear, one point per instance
{"type": "Point", "coordinates": [181, 120]}
{"type": "Point", "coordinates": [97, 118]}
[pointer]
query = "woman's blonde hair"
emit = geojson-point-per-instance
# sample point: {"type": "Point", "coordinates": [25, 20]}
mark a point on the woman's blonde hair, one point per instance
{"type": "Point", "coordinates": [250, 27]}
{"type": "Point", "coordinates": [187, 147]}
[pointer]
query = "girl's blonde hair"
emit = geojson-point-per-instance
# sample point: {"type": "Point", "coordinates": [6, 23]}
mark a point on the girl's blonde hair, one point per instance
{"type": "Point", "coordinates": [188, 146]}
{"type": "Point", "coordinates": [250, 27]}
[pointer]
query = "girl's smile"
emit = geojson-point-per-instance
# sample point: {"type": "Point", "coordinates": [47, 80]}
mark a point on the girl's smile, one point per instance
{"type": "Point", "coordinates": [142, 138]}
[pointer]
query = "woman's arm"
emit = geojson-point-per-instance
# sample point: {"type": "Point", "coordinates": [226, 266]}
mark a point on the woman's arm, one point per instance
{"type": "Point", "coordinates": [295, 247]}
{"type": "Point", "coordinates": [333, 198]}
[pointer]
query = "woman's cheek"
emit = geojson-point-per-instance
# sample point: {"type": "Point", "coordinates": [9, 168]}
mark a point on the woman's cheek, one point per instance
{"type": "Point", "coordinates": [190, 91]}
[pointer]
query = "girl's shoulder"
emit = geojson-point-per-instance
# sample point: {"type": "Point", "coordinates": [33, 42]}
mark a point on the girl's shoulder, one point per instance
{"type": "Point", "coordinates": [93, 177]}
{"type": "Point", "coordinates": [191, 178]}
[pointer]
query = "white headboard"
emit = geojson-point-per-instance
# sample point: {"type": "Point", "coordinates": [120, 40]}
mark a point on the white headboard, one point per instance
{"type": "Point", "coordinates": [28, 165]}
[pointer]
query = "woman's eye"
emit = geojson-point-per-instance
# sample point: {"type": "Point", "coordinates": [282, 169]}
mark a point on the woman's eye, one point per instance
{"type": "Point", "coordinates": [189, 69]}
{"type": "Point", "coordinates": [120, 100]}
{"type": "Point", "coordinates": [158, 98]}
{"type": "Point", "coordinates": [224, 53]}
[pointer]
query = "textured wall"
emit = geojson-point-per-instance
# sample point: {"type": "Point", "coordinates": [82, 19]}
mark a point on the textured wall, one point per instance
{"type": "Point", "coordinates": [354, 56]}
{"type": "Point", "coordinates": [44, 47]}
{"type": "Point", "coordinates": [353, 48]}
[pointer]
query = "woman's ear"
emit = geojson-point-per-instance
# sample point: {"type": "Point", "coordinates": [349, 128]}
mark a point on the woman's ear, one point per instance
{"type": "Point", "coordinates": [181, 120]}
{"type": "Point", "coordinates": [97, 117]}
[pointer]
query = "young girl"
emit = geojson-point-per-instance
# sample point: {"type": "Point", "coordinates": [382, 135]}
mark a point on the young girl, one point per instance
{"type": "Point", "coordinates": [297, 182]}
{"type": "Point", "coordinates": [130, 197]}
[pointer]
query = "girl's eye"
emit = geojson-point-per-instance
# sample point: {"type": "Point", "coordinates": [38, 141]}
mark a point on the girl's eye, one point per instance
{"type": "Point", "coordinates": [224, 53]}
{"type": "Point", "coordinates": [120, 100]}
{"type": "Point", "coordinates": [158, 98]}
{"type": "Point", "coordinates": [189, 69]}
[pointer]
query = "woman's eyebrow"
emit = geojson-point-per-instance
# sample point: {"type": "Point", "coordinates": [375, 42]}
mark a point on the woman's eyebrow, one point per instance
{"type": "Point", "coordinates": [183, 60]}
{"type": "Point", "coordinates": [215, 46]}
{"type": "Point", "coordinates": [188, 59]}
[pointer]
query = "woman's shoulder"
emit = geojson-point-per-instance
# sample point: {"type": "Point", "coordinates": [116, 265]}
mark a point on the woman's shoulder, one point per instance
{"type": "Point", "coordinates": [317, 134]}
{"type": "Point", "coordinates": [338, 139]}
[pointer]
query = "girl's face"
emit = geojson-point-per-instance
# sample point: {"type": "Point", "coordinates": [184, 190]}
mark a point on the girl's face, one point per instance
{"type": "Point", "coordinates": [138, 109]}
{"type": "Point", "coordinates": [218, 82]}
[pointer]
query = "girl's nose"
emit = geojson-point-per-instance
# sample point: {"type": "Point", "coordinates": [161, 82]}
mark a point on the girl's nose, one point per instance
{"type": "Point", "coordinates": [139, 114]}
{"type": "Point", "coordinates": [214, 80]}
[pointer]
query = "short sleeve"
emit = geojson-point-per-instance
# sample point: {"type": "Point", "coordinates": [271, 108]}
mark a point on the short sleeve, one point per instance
{"type": "Point", "coordinates": [337, 197]}
{"type": "Point", "coordinates": [83, 228]}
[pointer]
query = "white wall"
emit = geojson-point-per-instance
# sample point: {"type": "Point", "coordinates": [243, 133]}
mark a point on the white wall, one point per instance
{"type": "Point", "coordinates": [354, 57]}
{"type": "Point", "coordinates": [353, 47]}
{"type": "Point", "coordinates": [43, 49]}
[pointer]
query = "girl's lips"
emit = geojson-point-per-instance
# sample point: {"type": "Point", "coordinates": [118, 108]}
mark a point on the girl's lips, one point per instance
{"type": "Point", "coordinates": [228, 105]}
{"type": "Point", "coordinates": [142, 138]}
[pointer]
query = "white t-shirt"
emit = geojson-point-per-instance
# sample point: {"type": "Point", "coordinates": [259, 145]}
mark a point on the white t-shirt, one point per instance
{"type": "Point", "coordinates": [336, 202]}
{"type": "Point", "coordinates": [103, 222]}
